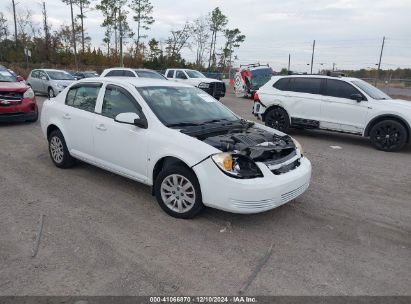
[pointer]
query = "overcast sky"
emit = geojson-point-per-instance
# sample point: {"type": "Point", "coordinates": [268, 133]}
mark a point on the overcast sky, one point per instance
{"type": "Point", "coordinates": [347, 32]}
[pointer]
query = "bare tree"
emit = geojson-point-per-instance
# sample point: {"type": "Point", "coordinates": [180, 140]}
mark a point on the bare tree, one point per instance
{"type": "Point", "coordinates": [201, 35]}
{"type": "Point", "coordinates": [46, 29]}
{"type": "Point", "coordinates": [178, 40]}
{"type": "Point", "coordinates": [4, 32]}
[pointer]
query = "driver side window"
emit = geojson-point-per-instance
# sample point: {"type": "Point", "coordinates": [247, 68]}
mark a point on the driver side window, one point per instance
{"type": "Point", "coordinates": [117, 100]}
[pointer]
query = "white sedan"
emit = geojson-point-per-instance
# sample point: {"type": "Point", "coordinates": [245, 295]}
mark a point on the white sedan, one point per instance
{"type": "Point", "coordinates": [191, 149]}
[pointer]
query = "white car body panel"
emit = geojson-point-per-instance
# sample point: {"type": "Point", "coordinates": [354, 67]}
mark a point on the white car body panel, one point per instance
{"type": "Point", "coordinates": [133, 152]}
{"type": "Point", "coordinates": [332, 113]}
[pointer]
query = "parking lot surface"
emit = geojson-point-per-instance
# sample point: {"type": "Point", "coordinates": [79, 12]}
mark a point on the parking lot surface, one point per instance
{"type": "Point", "coordinates": [349, 234]}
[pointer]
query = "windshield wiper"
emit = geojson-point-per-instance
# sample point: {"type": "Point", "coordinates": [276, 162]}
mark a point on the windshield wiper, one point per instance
{"type": "Point", "coordinates": [183, 124]}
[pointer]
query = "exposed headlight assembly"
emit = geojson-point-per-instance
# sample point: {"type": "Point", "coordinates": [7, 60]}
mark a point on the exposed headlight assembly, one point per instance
{"type": "Point", "coordinates": [29, 93]}
{"type": "Point", "coordinates": [204, 85]}
{"type": "Point", "coordinates": [298, 146]}
{"type": "Point", "coordinates": [237, 165]}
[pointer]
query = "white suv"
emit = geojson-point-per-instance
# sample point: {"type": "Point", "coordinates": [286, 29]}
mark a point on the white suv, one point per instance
{"type": "Point", "coordinates": [214, 87]}
{"type": "Point", "coordinates": [190, 148]}
{"type": "Point", "coordinates": [340, 104]}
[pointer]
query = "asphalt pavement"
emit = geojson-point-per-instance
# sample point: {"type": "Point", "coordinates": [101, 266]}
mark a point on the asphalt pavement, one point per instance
{"type": "Point", "coordinates": [349, 234]}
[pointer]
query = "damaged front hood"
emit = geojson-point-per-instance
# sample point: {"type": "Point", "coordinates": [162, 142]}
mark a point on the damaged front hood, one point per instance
{"type": "Point", "coordinates": [256, 143]}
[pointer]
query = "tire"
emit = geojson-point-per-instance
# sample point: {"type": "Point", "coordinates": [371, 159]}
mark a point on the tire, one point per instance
{"type": "Point", "coordinates": [50, 93]}
{"type": "Point", "coordinates": [277, 118]}
{"type": "Point", "coordinates": [58, 150]}
{"type": "Point", "coordinates": [35, 118]}
{"type": "Point", "coordinates": [170, 184]}
{"type": "Point", "coordinates": [388, 135]}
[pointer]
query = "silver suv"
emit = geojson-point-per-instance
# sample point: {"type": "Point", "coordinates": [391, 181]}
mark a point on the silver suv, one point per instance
{"type": "Point", "coordinates": [48, 81]}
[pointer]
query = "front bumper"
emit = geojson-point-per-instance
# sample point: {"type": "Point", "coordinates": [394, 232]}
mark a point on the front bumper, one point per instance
{"type": "Point", "coordinates": [26, 110]}
{"type": "Point", "coordinates": [216, 89]}
{"type": "Point", "coordinates": [251, 195]}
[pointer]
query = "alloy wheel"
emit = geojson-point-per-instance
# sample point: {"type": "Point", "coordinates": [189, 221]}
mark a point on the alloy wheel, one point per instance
{"type": "Point", "coordinates": [387, 136]}
{"type": "Point", "coordinates": [277, 119]}
{"type": "Point", "coordinates": [178, 193]}
{"type": "Point", "coordinates": [56, 149]}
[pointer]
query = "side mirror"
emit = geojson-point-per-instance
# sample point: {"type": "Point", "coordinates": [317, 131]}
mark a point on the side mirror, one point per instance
{"type": "Point", "coordinates": [44, 78]}
{"type": "Point", "coordinates": [357, 97]}
{"type": "Point", "coordinates": [19, 78]}
{"type": "Point", "coordinates": [131, 119]}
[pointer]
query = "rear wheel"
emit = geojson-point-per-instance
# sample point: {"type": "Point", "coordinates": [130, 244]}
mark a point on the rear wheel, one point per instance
{"type": "Point", "coordinates": [388, 135]}
{"type": "Point", "coordinates": [277, 118]}
{"type": "Point", "coordinates": [178, 192]}
{"type": "Point", "coordinates": [58, 150]}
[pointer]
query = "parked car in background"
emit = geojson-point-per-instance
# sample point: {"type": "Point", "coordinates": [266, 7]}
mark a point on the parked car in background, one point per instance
{"type": "Point", "coordinates": [214, 87]}
{"type": "Point", "coordinates": [17, 100]}
{"type": "Point", "coordinates": [49, 81]}
{"type": "Point", "coordinates": [127, 72]}
{"type": "Point", "coordinates": [85, 74]}
{"type": "Point", "coordinates": [341, 104]}
{"type": "Point", "coordinates": [190, 148]}
{"type": "Point", "coordinates": [250, 78]}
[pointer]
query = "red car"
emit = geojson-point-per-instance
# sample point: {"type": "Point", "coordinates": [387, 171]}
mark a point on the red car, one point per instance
{"type": "Point", "coordinates": [17, 100]}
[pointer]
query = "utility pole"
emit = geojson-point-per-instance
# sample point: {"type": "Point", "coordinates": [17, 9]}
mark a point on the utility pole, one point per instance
{"type": "Point", "coordinates": [46, 30]}
{"type": "Point", "coordinates": [379, 62]}
{"type": "Point", "coordinates": [74, 34]}
{"type": "Point", "coordinates": [121, 37]}
{"type": "Point", "coordinates": [312, 57]}
{"type": "Point", "coordinates": [15, 21]}
{"type": "Point", "coordinates": [289, 63]}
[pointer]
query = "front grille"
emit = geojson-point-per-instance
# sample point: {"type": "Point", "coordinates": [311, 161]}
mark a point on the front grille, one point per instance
{"type": "Point", "coordinates": [10, 98]}
{"type": "Point", "coordinates": [217, 88]}
{"type": "Point", "coordinates": [286, 197]}
{"type": "Point", "coordinates": [287, 168]}
{"type": "Point", "coordinates": [263, 204]}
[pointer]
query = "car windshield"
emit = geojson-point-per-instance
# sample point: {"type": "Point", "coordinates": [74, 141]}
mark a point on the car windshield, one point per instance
{"type": "Point", "coordinates": [6, 76]}
{"type": "Point", "coordinates": [260, 77]}
{"type": "Point", "coordinates": [370, 90]}
{"type": "Point", "coordinates": [184, 105]}
{"type": "Point", "coordinates": [194, 74]}
{"type": "Point", "coordinates": [60, 75]}
{"type": "Point", "coordinates": [149, 74]}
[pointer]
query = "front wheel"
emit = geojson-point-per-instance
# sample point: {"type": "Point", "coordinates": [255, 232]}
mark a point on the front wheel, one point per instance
{"type": "Point", "coordinates": [58, 150]}
{"type": "Point", "coordinates": [50, 93]}
{"type": "Point", "coordinates": [277, 118]}
{"type": "Point", "coordinates": [178, 192]}
{"type": "Point", "coordinates": [388, 135]}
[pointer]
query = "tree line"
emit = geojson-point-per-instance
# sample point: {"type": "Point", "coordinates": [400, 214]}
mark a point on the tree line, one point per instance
{"type": "Point", "coordinates": [127, 25]}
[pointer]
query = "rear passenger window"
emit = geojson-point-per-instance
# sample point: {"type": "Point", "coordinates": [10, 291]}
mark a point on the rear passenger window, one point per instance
{"type": "Point", "coordinates": [170, 74]}
{"type": "Point", "coordinates": [282, 84]}
{"type": "Point", "coordinates": [83, 97]}
{"type": "Point", "coordinates": [341, 89]}
{"type": "Point", "coordinates": [305, 85]}
{"type": "Point", "coordinates": [117, 101]}
{"type": "Point", "coordinates": [115, 73]}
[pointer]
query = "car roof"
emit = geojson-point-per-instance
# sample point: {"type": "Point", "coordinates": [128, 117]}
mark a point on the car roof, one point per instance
{"type": "Point", "coordinates": [317, 76]}
{"type": "Point", "coordinates": [136, 81]}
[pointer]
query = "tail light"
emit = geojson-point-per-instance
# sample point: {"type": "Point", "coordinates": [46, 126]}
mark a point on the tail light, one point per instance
{"type": "Point", "coordinates": [256, 98]}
